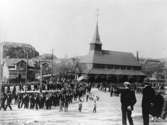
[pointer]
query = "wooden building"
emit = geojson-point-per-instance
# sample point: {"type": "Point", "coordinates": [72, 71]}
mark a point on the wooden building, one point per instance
{"type": "Point", "coordinates": [112, 66]}
{"type": "Point", "coordinates": [18, 70]}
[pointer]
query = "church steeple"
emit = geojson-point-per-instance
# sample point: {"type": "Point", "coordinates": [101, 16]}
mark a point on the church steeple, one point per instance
{"type": "Point", "coordinates": [96, 44]}
{"type": "Point", "coordinates": [96, 38]}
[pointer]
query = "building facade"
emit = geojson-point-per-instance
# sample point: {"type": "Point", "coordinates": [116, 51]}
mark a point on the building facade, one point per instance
{"type": "Point", "coordinates": [18, 70]}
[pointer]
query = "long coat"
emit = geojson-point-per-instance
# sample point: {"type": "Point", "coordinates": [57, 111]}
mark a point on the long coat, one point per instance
{"type": "Point", "coordinates": [148, 96]}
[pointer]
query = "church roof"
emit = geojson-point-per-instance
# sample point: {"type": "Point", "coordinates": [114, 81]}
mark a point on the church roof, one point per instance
{"type": "Point", "coordinates": [111, 58]}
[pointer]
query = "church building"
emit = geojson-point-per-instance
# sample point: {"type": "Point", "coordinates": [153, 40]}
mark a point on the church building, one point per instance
{"type": "Point", "coordinates": [113, 66]}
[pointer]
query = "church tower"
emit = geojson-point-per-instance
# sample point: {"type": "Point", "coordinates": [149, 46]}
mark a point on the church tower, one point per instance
{"type": "Point", "coordinates": [96, 45]}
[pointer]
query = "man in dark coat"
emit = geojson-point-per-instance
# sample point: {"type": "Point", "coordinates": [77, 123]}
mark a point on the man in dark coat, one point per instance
{"type": "Point", "coordinates": [3, 99]}
{"type": "Point", "coordinates": [48, 102]}
{"type": "Point", "coordinates": [147, 102]}
{"type": "Point", "coordinates": [9, 100]}
{"type": "Point", "coordinates": [32, 101]}
{"type": "Point", "coordinates": [37, 101]}
{"type": "Point", "coordinates": [19, 100]}
{"type": "Point", "coordinates": [128, 99]}
{"type": "Point", "coordinates": [26, 101]}
{"type": "Point", "coordinates": [60, 102]}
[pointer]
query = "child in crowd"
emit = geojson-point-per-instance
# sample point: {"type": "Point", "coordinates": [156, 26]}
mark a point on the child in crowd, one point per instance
{"type": "Point", "coordinates": [94, 106]}
{"type": "Point", "coordinates": [80, 105]}
{"type": "Point", "coordinates": [95, 99]}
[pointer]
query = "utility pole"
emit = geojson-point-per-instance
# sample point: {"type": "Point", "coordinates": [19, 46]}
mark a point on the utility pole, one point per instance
{"type": "Point", "coordinates": [26, 67]}
{"type": "Point", "coordinates": [1, 70]}
{"type": "Point", "coordinates": [52, 66]}
{"type": "Point", "coordinates": [40, 76]}
{"type": "Point", "coordinates": [0, 81]}
{"type": "Point", "coordinates": [165, 81]}
{"type": "Point", "coordinates": [26, 57]}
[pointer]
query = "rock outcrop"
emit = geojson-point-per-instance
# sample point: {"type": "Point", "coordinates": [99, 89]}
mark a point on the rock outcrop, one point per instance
{"type": "Point", "coordinates": [18, 50]}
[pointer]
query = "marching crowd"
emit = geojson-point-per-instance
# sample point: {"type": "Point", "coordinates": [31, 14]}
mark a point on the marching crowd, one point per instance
{"type": "Point", "coordinates": [53, 96]}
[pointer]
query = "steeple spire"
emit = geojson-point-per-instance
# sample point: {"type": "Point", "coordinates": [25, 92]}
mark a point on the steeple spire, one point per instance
{"type": "Point", "coordinates": [96, 38]}
{"type": "Point", "coordinates": [96, 45]}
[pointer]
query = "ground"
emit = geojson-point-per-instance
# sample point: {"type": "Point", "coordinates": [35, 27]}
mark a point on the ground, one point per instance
{"type": "Point", "coordinates": [108, 113]}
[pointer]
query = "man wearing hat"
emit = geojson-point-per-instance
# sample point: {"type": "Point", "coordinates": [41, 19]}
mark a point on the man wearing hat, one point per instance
{"type": "Point", "coordinates": [128, 99]}
{"type": "Point", "coordinates": [147, 102]}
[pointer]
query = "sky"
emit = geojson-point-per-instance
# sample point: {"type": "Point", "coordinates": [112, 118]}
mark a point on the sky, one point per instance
{"type": "Point", "coordinates": [67, 26]}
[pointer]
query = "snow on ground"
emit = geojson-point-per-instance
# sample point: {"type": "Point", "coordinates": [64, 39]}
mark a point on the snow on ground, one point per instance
{"type": "Point", "coordinates": [108, 113]}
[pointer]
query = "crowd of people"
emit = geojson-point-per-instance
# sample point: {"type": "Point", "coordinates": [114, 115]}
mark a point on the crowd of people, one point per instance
{"type": "Point", "coordinates": [51, 95]}
{"type": "Point", "coordinates": [62, 94]}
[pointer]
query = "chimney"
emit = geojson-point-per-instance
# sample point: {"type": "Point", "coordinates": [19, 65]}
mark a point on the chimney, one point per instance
{"type": "Point", "coordinates": [137, 56]}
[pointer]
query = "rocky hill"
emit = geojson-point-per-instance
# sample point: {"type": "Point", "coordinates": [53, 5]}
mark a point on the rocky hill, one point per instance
{"type": "Point", "coordinates": [18, 50]}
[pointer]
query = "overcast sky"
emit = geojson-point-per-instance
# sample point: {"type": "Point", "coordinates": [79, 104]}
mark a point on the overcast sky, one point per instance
{"type": "Point", "coordinates": [68, 26]}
